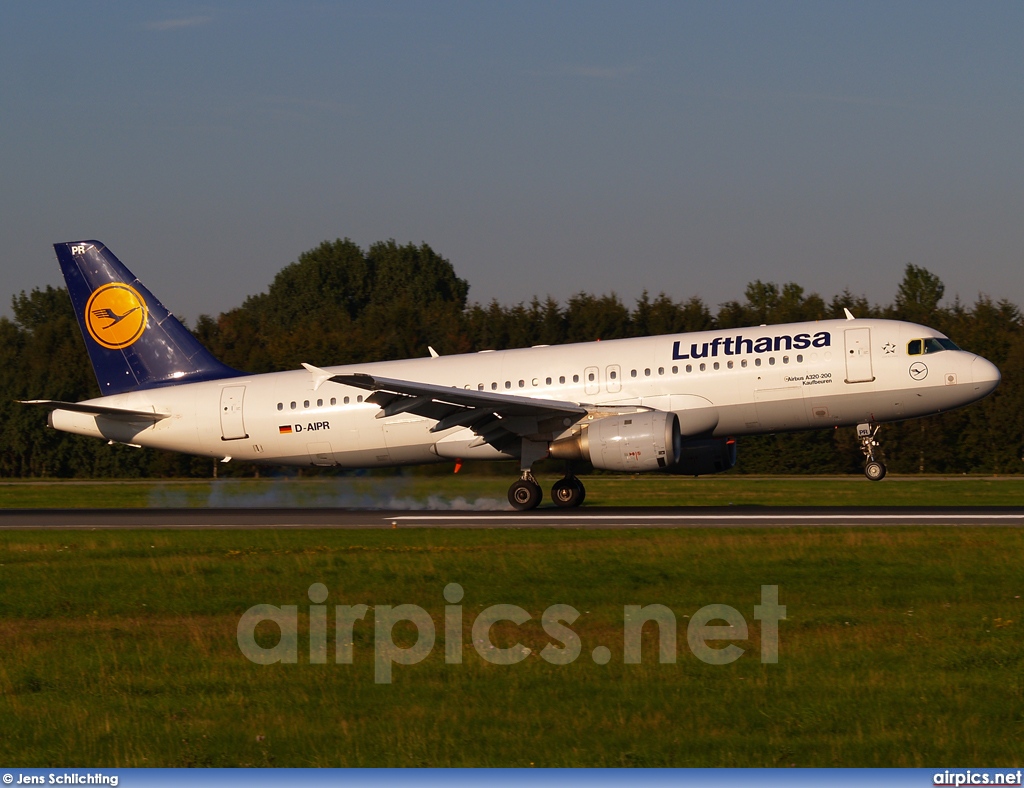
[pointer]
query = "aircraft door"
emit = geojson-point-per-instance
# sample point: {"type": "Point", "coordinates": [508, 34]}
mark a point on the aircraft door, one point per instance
{"type": "Point", "coordinates": [592, 380]}
{"type": "Point", "coordinates": [612, 378]}
{"type": "Point", "coordinates": [232, 427]}
{"type": "Point", "coordinates": [858, 355]}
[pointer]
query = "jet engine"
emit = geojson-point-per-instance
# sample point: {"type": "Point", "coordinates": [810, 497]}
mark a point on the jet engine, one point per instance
{"type": "Point", "coordinates": [645, 441]}
{"type": "Point", "coordinates": [705, 456]}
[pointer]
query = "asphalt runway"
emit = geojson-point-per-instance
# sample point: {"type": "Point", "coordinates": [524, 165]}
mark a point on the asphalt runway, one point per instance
{"type": "Point", "coordinates": [584, 518]}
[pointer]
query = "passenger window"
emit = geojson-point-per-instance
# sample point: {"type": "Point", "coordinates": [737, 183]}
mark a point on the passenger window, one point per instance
{"type": "Point", "coordinates": [305, 404]}
{"type": "Point", "coordinates": [716, 365]}
{"type": "Point", "coordinates": [612, 375]}
{"type": "Point", "coordinates": [785, 359]}
{"type": "Point", "coordinates": [293, 406]}
{"type": "Point", "coordinates": [647, 373]}
{"type": "Point", "coordinates": [675, 370]}
{"type": "Point", "coordinates": [757, 362]}
{"type": "Point", "coordinates": [319, 403]}
{"type": "Point", "coordinates": [547, 381]}
{"type": "Point", "coordinates": [799, 358]}
{"type": "Point", "coordinates": [661, 370]}
{"type": "Point", "coordinates": [743, 363]}
{"type": "Point", "coordinates": [729, 364]}
{"type": "Point", "coordinates": [561, 378]}
{"type": "Point", "coordinates": [590, 377]}
{"type": "Point", "coordinates": [494, 387]}
{"type": "Point", "coordinates": [575, 378]}
{"type": "Point", "coordinates": [334, 401]}
{"type": "Point", "coordinates": [479, 386]}
{"type": "Point", "coordinates": [508, 384]}
{"type": "Point", "coordinates": [632, 373]}
{"type": "Point", "coordinates": [703, 367]}
{"type": "Point", "coordinates": [771, 361]}
{"type": "Point", "coordinates": [359, 398]}
{"type": "Point", "coordinates": [346, 400]}
{"type": "Point", "coordinates": [522, 383]}
{"type": "Point", "coordinates": [689, 367]}
{"type": "Point", "coordinates": [280, 406]}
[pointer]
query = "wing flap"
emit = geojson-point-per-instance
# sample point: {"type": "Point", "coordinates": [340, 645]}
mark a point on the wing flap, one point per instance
{"type": "Point", "coordinates": [501, 404]}
{"type": "Point", "coordinates": [496, 418]}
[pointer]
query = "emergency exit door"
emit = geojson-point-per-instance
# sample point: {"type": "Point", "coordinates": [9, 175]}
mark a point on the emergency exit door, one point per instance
{"type": "Point", "coordinates": [858, 355]}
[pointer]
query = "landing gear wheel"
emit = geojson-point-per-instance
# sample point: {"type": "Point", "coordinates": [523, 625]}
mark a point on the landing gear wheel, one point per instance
{"type": "Point", "coordinates": [525, 494]}
{"type": "Point", "coordinates": [875, 471]}
{"type": "Point", "coordinates": [568, 492]}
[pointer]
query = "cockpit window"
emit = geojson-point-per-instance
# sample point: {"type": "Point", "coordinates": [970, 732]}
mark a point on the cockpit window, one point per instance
{"type": "Point", "coordinates": [916, 347]}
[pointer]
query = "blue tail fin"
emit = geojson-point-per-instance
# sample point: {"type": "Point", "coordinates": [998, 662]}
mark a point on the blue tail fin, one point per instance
{"type": "Point", "coordinates": [133, 341]}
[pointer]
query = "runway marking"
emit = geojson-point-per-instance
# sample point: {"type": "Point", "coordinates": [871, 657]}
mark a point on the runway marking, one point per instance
{"type": "Point", "coordinates": [592, 517]}
{"type": "Point", "coordinates": [288, 519]}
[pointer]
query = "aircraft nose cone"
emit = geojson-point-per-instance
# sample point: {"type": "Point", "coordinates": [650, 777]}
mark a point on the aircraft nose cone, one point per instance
{"type": "Point", "coordinates": [985, 375]}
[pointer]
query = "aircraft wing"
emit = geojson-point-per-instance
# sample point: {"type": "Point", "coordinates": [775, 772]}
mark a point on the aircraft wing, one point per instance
{"type": "Point", "coordinates": [125, 414]}
{"type": "Point", "coordinates": [494, 417]}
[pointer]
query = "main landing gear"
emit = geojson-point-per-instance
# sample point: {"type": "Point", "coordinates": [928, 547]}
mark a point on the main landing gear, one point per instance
{"type": "Point", "coordinates": [874, 469]}
{"type": "Point", "coordinates": [566, 493]}
{"type": "Point", "coordinates": [525, 493]}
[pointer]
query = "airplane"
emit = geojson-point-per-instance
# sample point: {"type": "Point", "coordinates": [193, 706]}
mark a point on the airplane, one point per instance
{"type": "Point", "coordinates": [672, 403]}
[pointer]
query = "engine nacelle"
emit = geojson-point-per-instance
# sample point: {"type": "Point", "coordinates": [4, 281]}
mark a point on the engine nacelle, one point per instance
{"type": "Point", "coordinates": [645, 441]}
{"type": "Point", "coordinates": [707, 456]}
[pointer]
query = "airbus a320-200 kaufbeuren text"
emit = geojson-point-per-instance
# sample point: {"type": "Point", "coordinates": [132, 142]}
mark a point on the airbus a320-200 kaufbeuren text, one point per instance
{"type": "Point", "coordinates": [666, 403]}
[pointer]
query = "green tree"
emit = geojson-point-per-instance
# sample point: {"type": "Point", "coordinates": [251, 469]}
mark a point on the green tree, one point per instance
{"type": "Point", "coordinates": [590, 318]}
{"type": "Point", "coordinates": [918, 295]}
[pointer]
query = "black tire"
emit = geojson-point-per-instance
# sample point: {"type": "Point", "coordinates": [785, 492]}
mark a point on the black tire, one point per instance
{"type": "Point", "coordinates": [875, 471]}
{"type": "Point", "coordinates": [524, 495]}
{"type": "Point", "coordinates": [567, 493]}
{"type": "Point", "coordinates": [582, 489]}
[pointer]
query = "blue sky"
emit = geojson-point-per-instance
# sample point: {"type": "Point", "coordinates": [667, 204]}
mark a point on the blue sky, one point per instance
{"type": "Point", "coordinates": [544, 148]}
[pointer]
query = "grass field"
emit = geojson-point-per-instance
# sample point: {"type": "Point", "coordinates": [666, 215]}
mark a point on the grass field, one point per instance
{"type": "Point", "coordinates": [902, 648]}
{"type": "Point", "coordinates": [469, 491]}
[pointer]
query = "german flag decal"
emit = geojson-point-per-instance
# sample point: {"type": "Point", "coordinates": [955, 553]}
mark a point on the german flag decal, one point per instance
{"type": "Point", "coordinates": [285, 430]}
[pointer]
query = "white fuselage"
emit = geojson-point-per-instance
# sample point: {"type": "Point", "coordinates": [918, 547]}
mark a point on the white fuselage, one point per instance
{"type": "Point", "coordinates": [720, 383]}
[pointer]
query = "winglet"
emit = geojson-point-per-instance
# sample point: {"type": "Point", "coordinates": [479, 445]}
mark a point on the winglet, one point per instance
{"type": "Point", "coordinates": [320, 376]}
{"type": "Point", "coordinates": [433, 353]}
{"type": "Point", "coordinates": [849, 314]}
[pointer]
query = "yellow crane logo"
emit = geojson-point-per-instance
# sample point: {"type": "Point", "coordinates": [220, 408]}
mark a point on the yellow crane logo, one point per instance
{"type": "Point", "coordinates": [116, 315]}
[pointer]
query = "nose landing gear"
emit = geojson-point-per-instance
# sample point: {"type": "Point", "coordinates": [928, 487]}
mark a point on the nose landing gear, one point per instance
{"type": "Point", "coordinates": [874, 469]}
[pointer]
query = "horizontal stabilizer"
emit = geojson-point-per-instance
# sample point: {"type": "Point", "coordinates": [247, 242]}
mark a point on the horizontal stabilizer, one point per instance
{"type": "Point", "coordinates": [98, 410]}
